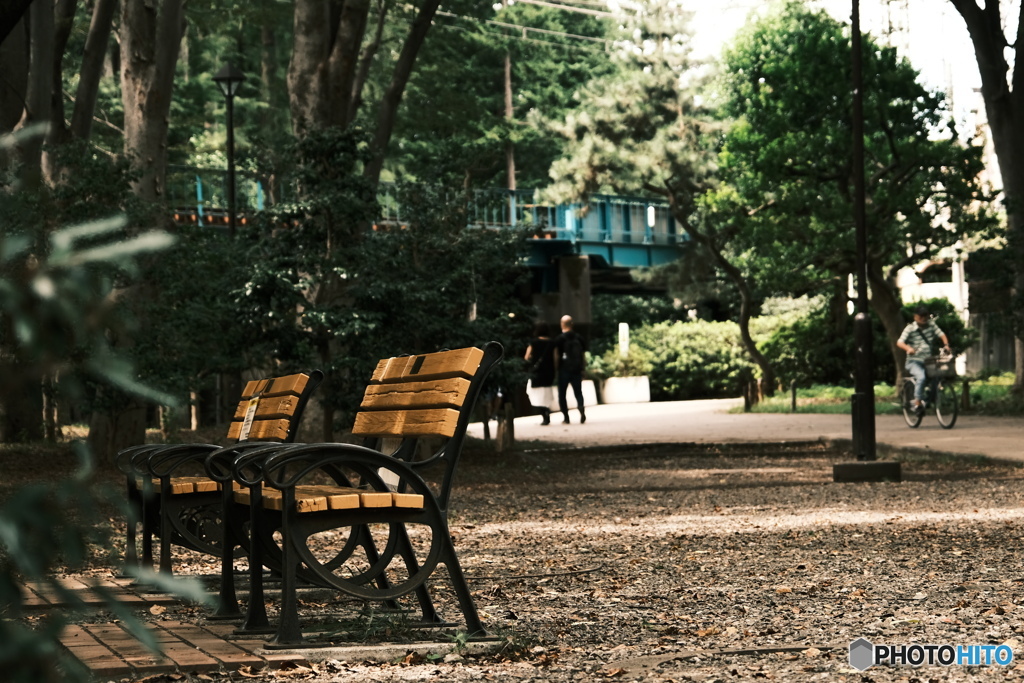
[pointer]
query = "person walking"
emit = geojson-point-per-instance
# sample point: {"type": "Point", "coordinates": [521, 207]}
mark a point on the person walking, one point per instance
{"type": "Point", "coordinates": [569, 358]}
{"type": "Point", "coordinates": [917, 340]}
{"type": "Point", "coordinates": [541, 364]}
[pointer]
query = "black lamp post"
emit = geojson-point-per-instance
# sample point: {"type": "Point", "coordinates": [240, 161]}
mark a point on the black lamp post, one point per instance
{"type": "Point", "coordinates": [229, 79]}
{"type": "Point", "coordinates": [866, 468]}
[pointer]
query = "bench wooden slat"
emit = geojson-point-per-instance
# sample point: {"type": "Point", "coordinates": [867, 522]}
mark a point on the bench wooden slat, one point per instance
{"type": "Point", "coordinates": [457, 363]}
{"type": "Point", "coordinates": [439, 393]}
{"type": "Point", "coordinates": [276, 430]}
{"type": "Point", "coordinates": [407, 500]}
{"type": "Point", "coordinates": [178, 486]}
{"type": "Point", "coordinates": [314, 498]}
{"type": "Point", "coordinates": [280, 406]}
{"type": "Point", "coordinates": [184, 485]}
{"type": "Point", "coordinates": [432, 422]}
{"type": "Point", "coordinates": [277, 386]}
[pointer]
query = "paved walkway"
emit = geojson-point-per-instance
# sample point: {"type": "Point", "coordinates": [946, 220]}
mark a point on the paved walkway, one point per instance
{"type": "Point", "coordinates": [711, 422]}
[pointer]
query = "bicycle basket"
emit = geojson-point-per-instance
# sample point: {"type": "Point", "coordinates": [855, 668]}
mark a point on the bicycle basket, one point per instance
{"type": "Point", "coordinates": [941, 368]}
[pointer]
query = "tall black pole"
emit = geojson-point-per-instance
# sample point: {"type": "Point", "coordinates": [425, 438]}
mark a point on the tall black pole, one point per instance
{"type": "Point", "coordinates": [863, 407]}
{"type": "Point", "coordinates": [231, 162]}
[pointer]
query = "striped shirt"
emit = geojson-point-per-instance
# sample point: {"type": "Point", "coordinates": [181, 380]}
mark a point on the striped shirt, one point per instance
{"type": "Point", "coordinates": [922, 337]}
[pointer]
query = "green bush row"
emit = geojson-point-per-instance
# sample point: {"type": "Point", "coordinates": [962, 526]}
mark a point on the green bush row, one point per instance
{"type": "Point", "coordinates": [702, 359]}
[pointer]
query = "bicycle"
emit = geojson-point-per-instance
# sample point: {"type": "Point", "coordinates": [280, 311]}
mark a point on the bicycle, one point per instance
{"type": "Point", "coordinates": [939, 392]}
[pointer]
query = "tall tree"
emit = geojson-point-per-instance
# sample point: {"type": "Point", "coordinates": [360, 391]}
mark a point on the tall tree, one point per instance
{"type": "Point", "coordinates": [786, 163]}
{"type": "Point", "coordinates": [150, 37]}
{"type": "Point", "coordinates": [1002, 88]}
{"type": "Point", "coordinates": [644, 130]}
{"type": "Point", "coordinates": [463, 133]}
{"type": "Point", "coordinates": [329, 64]}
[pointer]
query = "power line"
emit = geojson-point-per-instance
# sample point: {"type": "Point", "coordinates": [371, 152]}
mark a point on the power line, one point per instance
{"type": "Point", "coordinates": [568, 8]}
{"type": "Point", "coordinates": [527, 29]}
{"type": "Point", "coordinates": [525, 39]}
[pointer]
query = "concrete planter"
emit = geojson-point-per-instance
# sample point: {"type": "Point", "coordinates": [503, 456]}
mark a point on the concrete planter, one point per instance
{"type": "Point", "coordinates": [626, 390]}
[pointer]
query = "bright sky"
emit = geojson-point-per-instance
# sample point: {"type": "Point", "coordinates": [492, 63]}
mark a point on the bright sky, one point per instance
{"type": "Point", "coordinates": [936, 41]}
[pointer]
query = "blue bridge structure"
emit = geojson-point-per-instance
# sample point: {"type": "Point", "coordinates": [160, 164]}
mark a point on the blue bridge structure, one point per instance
{"type": "Point", "coordinates": [612, 233]}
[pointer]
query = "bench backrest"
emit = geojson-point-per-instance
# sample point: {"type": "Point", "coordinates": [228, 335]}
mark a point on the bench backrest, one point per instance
{"type": "Point", "coordinates": [270, 408]}
{"type": "Point", "coordinates": [427, 395]}
{"type": "Point", "coordinates": [413, 396]}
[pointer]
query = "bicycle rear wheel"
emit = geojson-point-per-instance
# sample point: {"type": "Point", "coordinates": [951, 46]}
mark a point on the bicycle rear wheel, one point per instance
{"type": "Point", "coordinates": [946, 405]}
{"type": "Point", "coordinates": [911, 416]}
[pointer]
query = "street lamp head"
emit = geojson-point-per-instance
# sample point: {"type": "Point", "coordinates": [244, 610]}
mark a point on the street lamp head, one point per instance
{"type": "Point", "coordinates": [228, 79]}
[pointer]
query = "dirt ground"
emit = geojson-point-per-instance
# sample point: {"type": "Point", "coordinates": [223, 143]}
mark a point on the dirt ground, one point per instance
{"type": "Point", "coordinates": [705, 563]}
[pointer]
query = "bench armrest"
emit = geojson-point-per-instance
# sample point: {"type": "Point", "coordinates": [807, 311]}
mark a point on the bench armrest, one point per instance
{"type": "Point", "coordinates": [288, 467]}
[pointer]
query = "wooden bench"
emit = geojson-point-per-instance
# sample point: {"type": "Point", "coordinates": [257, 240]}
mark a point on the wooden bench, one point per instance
{"type": "Point", "coordinates": [174, 496]}
{"type": "Point", "coordinates": [371, 521]}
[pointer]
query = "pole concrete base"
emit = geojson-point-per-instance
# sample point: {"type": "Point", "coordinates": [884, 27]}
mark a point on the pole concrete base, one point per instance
{"type": "Point", "coordinates": [866, 470]}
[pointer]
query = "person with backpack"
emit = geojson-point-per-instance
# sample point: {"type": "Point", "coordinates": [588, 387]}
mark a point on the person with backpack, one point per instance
{"type": "Point", "coordinates": [570, 360]}
{"type": "Point", "coordinates": [918, 339]}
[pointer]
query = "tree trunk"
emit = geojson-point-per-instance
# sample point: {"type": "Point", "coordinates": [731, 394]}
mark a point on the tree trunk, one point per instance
{"type": "Point", "coordinates": [743, 287]}
{"type": "Point", "coordinates": [366, 61]}
{"type": "Point", "coordinates": [38, 100]}
{"type": "Point", "coordinates": [399, 78]}
{"type": "Point", "coordinates": [885, 302]}
{"type": "Point", "coordinates": [1004, 106]}
{"type": "Point", "coordinates": [64, 19]}
{"type": "Point", "coordinates": [344, 60]}
{"type": "Point", "coordinates": [21, 403]}
{"type": "Point", "coordinates": [111, 430]}
{"type": "Point", "coordinates": [307, 69]}
{"type": "Point", "coordinates": [92, 68]}
{"type": "Point", "coordinates": [151, 35]}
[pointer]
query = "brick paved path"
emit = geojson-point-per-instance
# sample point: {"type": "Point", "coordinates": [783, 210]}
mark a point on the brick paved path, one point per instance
{"type": "Point", "coordinates": [108, 650]}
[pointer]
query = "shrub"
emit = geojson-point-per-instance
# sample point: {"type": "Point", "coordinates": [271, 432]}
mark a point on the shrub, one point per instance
{"type": "Point", "coordinates": [694, 359]}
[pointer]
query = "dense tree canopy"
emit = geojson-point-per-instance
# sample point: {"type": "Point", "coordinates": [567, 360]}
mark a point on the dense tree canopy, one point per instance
{"type": "Point", "coordinates": [767, 191]}
{"type": "Point", "coordinates": [785, 166]}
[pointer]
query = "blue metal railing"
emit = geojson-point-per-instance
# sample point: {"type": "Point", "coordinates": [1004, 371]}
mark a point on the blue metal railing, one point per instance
{"type": "Point", "coordinates": [604, 219]}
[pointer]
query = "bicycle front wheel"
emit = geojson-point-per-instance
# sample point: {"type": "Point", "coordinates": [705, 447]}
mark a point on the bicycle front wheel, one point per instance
{"type": "Point", "coordinates": [911, 416]}
{"type": "Point", "coordinates": [946, 405]}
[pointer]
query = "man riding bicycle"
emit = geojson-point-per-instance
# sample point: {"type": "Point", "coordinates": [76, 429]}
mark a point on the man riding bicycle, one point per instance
{"type": "Point", "coordinates": [917, 340]}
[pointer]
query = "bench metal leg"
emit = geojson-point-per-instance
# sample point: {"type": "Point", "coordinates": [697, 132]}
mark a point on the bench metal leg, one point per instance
{"type": "Point", "coordinates": [289, 633]}
{"type": "Point", "coordinates": [256, 620]}
{"type": "Point", "coordinates": [227, 602]}
{"type": "Point", "coordinates": [448, 557]}
{"type": "Point", "coordinates": [426, 603]}
{"type": "Point", "coordinates": [148, 503]}
{"type": "Point", "coordinates": [165, 532]}
{"type": "Point", "coordinates": [131, 551]}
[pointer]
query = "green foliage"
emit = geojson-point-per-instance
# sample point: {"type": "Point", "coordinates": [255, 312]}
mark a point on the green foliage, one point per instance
{"type": "Point", "coordinates": [827, 399]}
{"type": "Point", "coordinates": [458, 135]}
{"type": "Point", "coordinates": [191, 329]}
{"type": "Point", "coordinates": [637, 363]}
{"type": "Point", "coordinates": [694, 359]}
{"type": "Point", "coordinates": [785, 162]}
{"type": "Point", "coordinates": [608, 310]}
{"type": "Point", "coordinates": [642, 128]}
{"type": "Point", "coordinates": [816, 349]}
{"type": "Point", "coordinates": [326, 291]}
{"type": "Point", "coordinates": [55, 317]}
